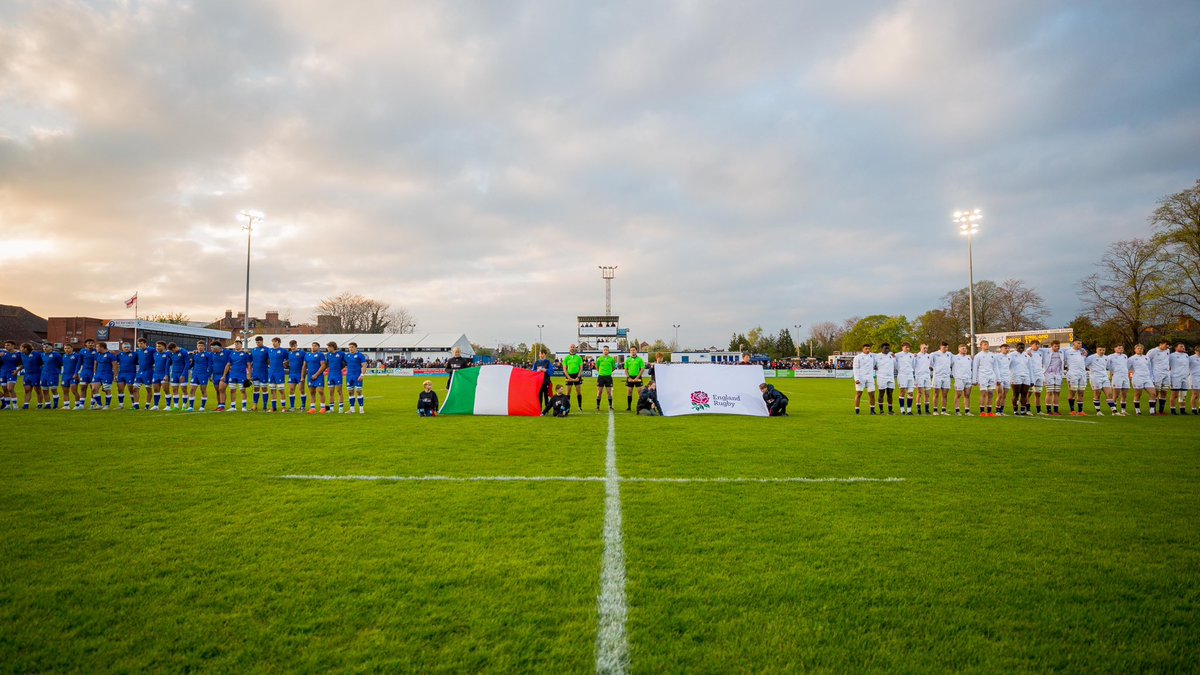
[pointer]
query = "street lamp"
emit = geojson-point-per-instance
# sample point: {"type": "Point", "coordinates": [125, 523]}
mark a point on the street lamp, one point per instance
{"type": "Point", "coordinates": [968, 224]}
{"type": "Point", "coordinates": [540, 327]}
{"type": "Point", "coordinates": [251, 217]}
{"type": "Point", "coordinates": [796, 337]}
{"type": "Point", "coordinates": [676, 327]}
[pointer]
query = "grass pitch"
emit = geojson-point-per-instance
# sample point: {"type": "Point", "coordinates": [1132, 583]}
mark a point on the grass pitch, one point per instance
{"type": "Point", "coordinates": [168, 541]}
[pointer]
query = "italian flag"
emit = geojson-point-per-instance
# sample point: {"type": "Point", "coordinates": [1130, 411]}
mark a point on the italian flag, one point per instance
{"type": "Point", "coordinates": [493, 390]}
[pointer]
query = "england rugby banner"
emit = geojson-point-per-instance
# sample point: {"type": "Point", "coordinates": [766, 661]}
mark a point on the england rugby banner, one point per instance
{"type": "Point", "coordinates": [709, 389]}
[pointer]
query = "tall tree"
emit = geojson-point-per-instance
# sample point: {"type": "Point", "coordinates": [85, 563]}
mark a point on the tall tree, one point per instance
{"type": "Point", "coordinates": [987, 306]}
{"type": "Point", "coordinates": [359, 314]}
{"type": "Point", "coordinates": [1019, 307]}
{"type": "Point", "coordinates": [877, 329]}
{"type": "Point", "coordinates": [1128, 290]}
{"type": "Point", "coordinates": [826, 335]}
{"type": "Point", "coordinates": [1177, 231]}
{"type": "Point", "coordinates": [937, 326]}
{"type": "Point", "coordinates": [784, 345]}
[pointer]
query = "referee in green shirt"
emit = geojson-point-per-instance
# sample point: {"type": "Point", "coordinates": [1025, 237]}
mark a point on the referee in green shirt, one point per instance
{"type": "Point", "coordinates": [605, 365]}
{"type": "Point", "coordinates": [573, 371]}
{"type": "Point", "coordinates": [634, 365]}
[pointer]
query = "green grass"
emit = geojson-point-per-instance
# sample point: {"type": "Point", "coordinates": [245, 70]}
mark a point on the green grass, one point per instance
{"type": "Point", "coordinates": [167, 541]}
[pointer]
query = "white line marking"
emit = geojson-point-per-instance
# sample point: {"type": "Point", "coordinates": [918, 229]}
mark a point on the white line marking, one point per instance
{"type": "Point", "coordinates": [852, 479]}
{"type": "Point", "coordinates": [612, 644]}
{"type": "Point", "coordinates": [1055, 419]}
{"type": "Point", "coordinates": [584, 479]}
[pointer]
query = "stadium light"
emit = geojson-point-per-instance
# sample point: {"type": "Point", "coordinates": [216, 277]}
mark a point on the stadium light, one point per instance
{"type": "Point", "coordinates": [540, 327]}
{"type": "Point", "coordinates": [968, 224]}
{"type": "Point", "coordinates": [676, 327]}
{"type": "Point", "coordinates": [796, 337]}
{"type": "Point", "coordinates": [251, 217]}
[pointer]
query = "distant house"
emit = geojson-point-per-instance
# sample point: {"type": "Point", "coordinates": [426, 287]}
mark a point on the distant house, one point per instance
{"type": "Point", "coordinates": [271, 323]}
{"type": "Point", "coordinates": [21, 325]}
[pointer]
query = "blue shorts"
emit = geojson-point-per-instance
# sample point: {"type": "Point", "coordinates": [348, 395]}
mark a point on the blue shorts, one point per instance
{"type": "Point", "coordinates": [200, 380]}
{"type": "Point", "coordinates": [316, 382]}
{"type": "Point", "coordinates": [236, 379]}
{"type": "Point", "coordinates": [354, 382]}
{"type": "Point", "coordinates": [144, 378]}
{"type": "Point", "coordinates": [259, 376]}
{"type": "Point", "coordinates": [159, 378]}
{"type": "Point", "coordinates": [87, 377]}
{"type": "Point", "coordinates": [294, 378]}
{"type": "Point", "coordinates": [179, 379]}
{"type": "Point", "coordinates": [67, 381]}
{"type": "Point", "coordinates": [49, 380]}
{"type": "Point", "coordinates": [104, 378]}
{"type": "Point", "coordinates": [8, 378]}
{"type": "Point", "coordinates": [126, 378]}
{"type": "Point", "coordinates": [32, 380]}
{"type": "Point", "coordinates": [335, 380]}
{"type": "Point", "coordinates": [276, 378]}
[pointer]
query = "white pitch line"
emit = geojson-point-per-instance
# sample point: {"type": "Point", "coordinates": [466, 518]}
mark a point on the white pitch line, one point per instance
{"type": "Point", "coordinates": [1055, 419]}
{"type": "Point", "coordinates": [852, 479]}
{"type": "Point", "coordinates": [612, 644]}
{"type": "Point", "coordinates": [453, 479]}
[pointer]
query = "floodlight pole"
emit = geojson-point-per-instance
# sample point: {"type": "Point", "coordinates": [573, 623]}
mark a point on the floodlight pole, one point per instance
{"type": "Point", "coordinates": [540, 327]}
{"type": "Point", "coordinates": [607, 273]}
{"type": "Point", "coordinates": [676, 327]}
{"type": "Point", "coordinates": [968, 224]}
{"type": "Point", "coordinates": [251, 218]}
{"type": "Point", "coordinates": [796, 337]}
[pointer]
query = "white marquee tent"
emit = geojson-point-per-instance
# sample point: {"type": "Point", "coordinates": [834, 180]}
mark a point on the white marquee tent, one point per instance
{"type": "Point", "coordinates": [428, 346]}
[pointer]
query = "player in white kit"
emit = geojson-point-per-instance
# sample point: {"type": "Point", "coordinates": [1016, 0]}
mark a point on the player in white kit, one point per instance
{"type": "Point", "coordinates": [1160, 372]}
{"type": "Point", "coordinates": [906, 377]}
{"type": "Point", "coordinates": [1037, 372]}
{"type": "Point", "coordinates": [885, 376]}
{"type": "Point", "coordinates": [923, 371]}
{"type": "Point", "coordinates": [960, 368]}
{"type": "Point", "coordinates": [941, 361]}
{"type": "Point", "coordinates": [1075, 358]}
{"type": "Point", "coordinates": [1118, 370]}
{"type": "Point", "coordinates": [1143, 381]}
{"type": "Point", "coordinates": [1181, 370]}
{"type": "Point", "coordinates": [1097, 368]}
{"type": "Point", "coordinates": [984, 373]}
{"type": "Point", "coordinates": [1054, 372]}
{"type": "Point", "coordinates": [864, 377]}
{"type": "Point", "coordinates": [1194, 361]}
{"type": "Point", "coordinates": [1004, 378]}
{"type": "Point", "coordinates": [1021, 378]}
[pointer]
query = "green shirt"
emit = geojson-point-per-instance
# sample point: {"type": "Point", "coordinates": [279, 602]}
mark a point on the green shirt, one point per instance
{"type": "Point", "coordinates": [572, 363]}
{"type": "Point", "coordinates": [634, 366]}
{"type": "Point", "coordinates": [605, 365]}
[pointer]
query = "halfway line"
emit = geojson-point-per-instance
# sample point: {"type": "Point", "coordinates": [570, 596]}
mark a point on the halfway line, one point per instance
{"type": "Point", "coordinates": [587, 479]}
{"type": "Point", "coordinates": [612, 644]}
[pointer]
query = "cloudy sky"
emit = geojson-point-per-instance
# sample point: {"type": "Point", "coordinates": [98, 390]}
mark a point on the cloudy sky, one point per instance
{"type": "Point", "coordinates": [743, 163]}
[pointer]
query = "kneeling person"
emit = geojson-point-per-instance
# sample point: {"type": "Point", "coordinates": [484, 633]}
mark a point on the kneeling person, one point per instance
{"type": "Point", "coordinates": [559, 404]}
{"type": "Point", "coordinates": [648, 401]}
{"type": "Point", "coordinates": [776, 402]}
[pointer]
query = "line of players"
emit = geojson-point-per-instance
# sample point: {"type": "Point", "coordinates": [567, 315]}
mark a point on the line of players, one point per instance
{"type": "Point", "coordinates": [172, 378]}
{"type": "Point", "coordinates": [1164, 375]}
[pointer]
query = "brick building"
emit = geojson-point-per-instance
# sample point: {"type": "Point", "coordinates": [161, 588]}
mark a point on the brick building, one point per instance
{"type": "Point", "coordinates": [272, 324]}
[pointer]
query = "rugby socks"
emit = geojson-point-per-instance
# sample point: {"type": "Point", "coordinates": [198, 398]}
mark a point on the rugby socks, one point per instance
{"type": "Point", "coordinates": [579, 399]}
{"type": "Point", "coordinates": [203, 402]}
{"type": "Point", "coordinates": [597, 403]}
{"type": "Point", "coordinates": [629, 403]}
{"type": "Point", "coordinates": [303, 401]}
{"type": "Point", "coordinates": [157, 399]}
{"type": "Point", "coordinates": [362, 403]}
{"type": "Point", "coordinates": [256, 398]}
{"type": "Point", "coordinates": [857, 411]}
{"type": "Point", "coordinates": [107, 401]}
{"type": "Point", "coordinates": [291, 402]}
{"type": "Point", "coordinates": [55, 406]}
{"type": "Point", "coordinates": [275, 405]}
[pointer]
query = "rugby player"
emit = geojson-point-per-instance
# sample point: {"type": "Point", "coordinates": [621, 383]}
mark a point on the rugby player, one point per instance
{"type": "Point", "coordinates": [1143, 380]}
{"type": "Point", "coordinates": [180, 364]}
{"type": "Point", "coordinates": [106, 372]}
{"type": "Point", "coordinates": [355, 362]}
{"type": "Point", "coordinates": [161, 375]}
{"type": "Point", "coordinates": [314, 365]}
{"type": "Point", "coordinates": [885, 377]}
{"type": "Point", "coordinates": [1003, 365]}
{"type": "Point", "coordinates": [202, 374]}
{"type": "Point", "coordinates": [51, 369]}
{"type": "Point", "coordinates": [10, 363]}
{"type": "Point", "coordinates": [69, 374]}
{"type": "Point", "coordinates": [961, 367]}
{"type": "Point", "coordinates": [1037, 373]}
{"type": "Point", "coordinates": [1193, 360]}
{"type": "Point", "coordinates": [31, 374]}
{"type": "Point", "coordinates": [1019, 364]}
{"type": "Point", "coordinates": [277, 358]}
{"type": "Point", "coordinates": [1160, 372]}
{"type": "Point", "coordinates": [906, 377]}
{"type": "Point", "coordinates": [144, 379]}
{"type": "Point", "coordinates": [1118, 370]}
{"type": "Point", "coordinates": [258, 373]}
{"type": "Point", "coordinates": [864, 378]}
{"type": "Point", "coordinates": [923, 374]}
{"type": "Point", "coordinates": [1097, 368]}
{"type": "Point", "coordinates": [335, 361]}
{"type": "Point", "coordinates": [295, 367]}
{"type": "Point", "coordinates": [1181, 369]}
{"type": "Point", "coordinates": [634, 365]}
{"type": "Point", "coordinates": [605, 365]}
{"type": "Point", "coordinates": [1054, 372]}
{"type": "Point", "coordinates": [573, 372]}
{"type": "Point", "coordinates": [126, 375]}
{"type": "Point", "coordinates": [220, 368]}
{"type": "Point", "coordinates": [1075, 360]}
{"type": "Point", "coordinates": [87, 373]}
{"type": "Point", "coordinates": [237, 372]}
{"type": "Point", "coordinates": [942, 361]}
{"type": "Point", "coordinates": [984, 372]}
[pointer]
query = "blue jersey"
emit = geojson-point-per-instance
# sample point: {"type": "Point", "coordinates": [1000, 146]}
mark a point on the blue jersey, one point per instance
{"type": "Point", "coordinates": [258, 361]}
{"type": "Point", "coordinates": [313, 361]}
{"type": "Point", "coordinates": [276, 358]}
{"type": "Point", "coordinates": [237, 364]}
{"type": "Point", "coordinates": [161, 361]}
{"type": "Point", "coordinates": [9, 362]}
{"type": "Point", "coordinates": [70, 365]}
{"type": "Point", "coordinates": [32, 365]}
{"type": "Point", "coordinates": [51, 364]}
{"type": "Point", "coordinates": [295, 361]}
{"type": "Point", "coordinates": [354, 365]}
{"type": "Point", "coordinates": [179, 363]}
{"type": "Point", "coordinates": [336, 361]}
{"type": "Point", "coordinates": [104, 366]}
{"type": "Point", "coordinates": [87, 361]}
{"type": "Point", "coordinates": [202, 363]}
{"type": "Point", "coordinates": [127, 363]}
{"type": "Point", "coordinates": [145, 359]}
{"type": "Point", "coordinates": [220, 359]}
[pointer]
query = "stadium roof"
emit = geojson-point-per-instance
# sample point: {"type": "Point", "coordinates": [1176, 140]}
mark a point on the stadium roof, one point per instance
{"type": "Point", "coordinates": [428, 342]}
{"type": "Point", "coordinates": [21, 325]}
{"type": "Point", "coordinates": [176, 328]}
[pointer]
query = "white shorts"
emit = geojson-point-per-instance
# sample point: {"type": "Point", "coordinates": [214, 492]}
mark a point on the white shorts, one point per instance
{"type": "Point", "coordinates": [925, 381]}
{"type": "Point", "coordinates": [1195, 386]}
{"type": "Point", "coordinates": [865, 385]}
{"type": "Point", "coordinates": [1005, 382]}
{"type": "Point", "coordinates": [941, 382]}
{"type": "Point", "coordinates": [906, 382]}
{"type": "Point", "coordinates": [962, 385]}
{"type": "Point", "coordinates": [1023, 379]}
{"type": "Point", "coordinates": [1098, 382]}
{"type": "Point", "coordinates": [986, 382]}
{"type": "Point", "coordinates": [1179, 382]}
{"type": "Point", "coordinates": [1076, 381]}
{"type": "Point", "coordinates": [1038, 382]}
{"type": "Point", "coordinates": [1119, 382]}
{"type": "Point", "coordinates": [886, 383]}
{"type": "Point", "coordinates": [1161, 380]}
{"type": "Point", "coordinates": [1143, 382]}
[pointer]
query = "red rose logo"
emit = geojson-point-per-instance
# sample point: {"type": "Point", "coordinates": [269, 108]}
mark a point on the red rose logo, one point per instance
{"type": "Point", "coordinates": [700, 400]}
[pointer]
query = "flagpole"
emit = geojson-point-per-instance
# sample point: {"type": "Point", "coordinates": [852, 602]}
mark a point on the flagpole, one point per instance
{"type": "Point", "coordinates": [135, 318]}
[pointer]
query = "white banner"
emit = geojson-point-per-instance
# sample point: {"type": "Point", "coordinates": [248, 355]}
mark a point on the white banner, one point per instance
{"type": "Point", "coordinates": [709, 389]}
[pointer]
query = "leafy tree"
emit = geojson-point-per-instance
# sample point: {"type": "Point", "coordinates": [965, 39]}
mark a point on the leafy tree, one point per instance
{"type": "Point", "coordinates": [1128, 290]}
{"type": "Point", "coordinates": [1177, 231]}
{"type": "Point", "coordinates": [877, 329]}
{"type": "Point", "coordinates": [660, 346]}
{"type": "Point", "coordinates": [784, 346]}
{"type": "Point", "coordinates": [480, 350]}
{"type": "Point", "coordinates": [178, 318]}
{"type": "Point", "coordinates": [937, 326]}
{"type": "Point", "coordinates": [987, 306]}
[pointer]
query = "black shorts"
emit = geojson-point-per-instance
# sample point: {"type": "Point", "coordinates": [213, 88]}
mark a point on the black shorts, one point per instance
{"type": "Point", "coordinates": [604, 381]}
{"type": "Point", "coordinates": [577, 378]}
{"type": "Point", "coordinates": [633, 382]}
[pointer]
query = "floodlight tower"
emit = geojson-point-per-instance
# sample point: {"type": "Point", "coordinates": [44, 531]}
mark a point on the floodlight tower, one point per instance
{"type": "Point", "coordinates": [607, 273]}
{"type": "Point", "coordinates": [251, 217]}
{"type": "Point", "coordinates": [968, 225]}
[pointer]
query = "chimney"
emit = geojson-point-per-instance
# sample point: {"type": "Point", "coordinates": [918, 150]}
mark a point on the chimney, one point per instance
{"type": "Point", "coordinates": [241, 316]}
{"type": "Point", "coordinates": [272, 318]}
{"type": "Point", "coordinates": [229, 314]}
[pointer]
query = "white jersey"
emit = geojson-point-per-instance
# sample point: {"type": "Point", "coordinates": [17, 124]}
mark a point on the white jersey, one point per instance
{"type": "Point", "coordinates": [1160, 362]}
{"type": "Point", "coordinates": [1139, 366]}
{"type": "Point", "coordinates": [1003, 365]}
{"type": "Point", "coordinates": [1118, 366]}
{"type": "Point", "coordinates": [1097, 365]}
{"type": "Point", "coordinates": [984, 369]}
{"type": "Point", "coordinates": [1075, 361]}
{"type": "Point", "coordinates": [923, 367]}
{"type": "Point", "coordinates": [941, 363]}
{"type": "Point", "coordinates": [885, 368]}
{"type": "Point", "coordinates": [1019, 363]}
{"type": "Point", "coordinates": [960, 367]}
{"type": "Point", "coordinates": [1055, 365]}
{"type": "Point", "coordinates": [906, 365]}
{"type": "Point", "coordinates": [1037, 363]}
{"type": "Point", "coordinates": [1194, 360]}
{"type": "Point", "coordinates": [1180, 365]}
{"type": "Point", "coordinates": [864, 367]}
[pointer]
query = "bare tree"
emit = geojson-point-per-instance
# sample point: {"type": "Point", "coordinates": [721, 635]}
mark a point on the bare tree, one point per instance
{"type": "Point", "coordinates": [1128, 290]}
{"type": "Point", "coordinates": [359, 314]}
{"type": "Point", "coordinates": [987, 306]}
{"type": "Point", "coordinates": [401, 321]}
{"type": "Point", "coordinates": [1177, 228]}
{"type": "Point", "coordinates": [1019, 307]}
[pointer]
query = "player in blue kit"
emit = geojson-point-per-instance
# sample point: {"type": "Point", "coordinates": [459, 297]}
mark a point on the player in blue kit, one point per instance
{"type": "Point", "coordinates": [31, 368]}
{"type": "Point", "coordinates": [106, 372]}
{"type": "Point", "coordinates": [295, 367]}
{"type": "Point", "coordinates": [335, 362]}
{"type": "Point", "coordinates": [277, 358]}
{"type": "Point", "coordinates": [201, 374]}
{"type": "Point", "coordinates": [314, 366]}
{"type": "Point", "coordinates": [69, 375]}
{"type": "Point", "coordinates": [127, 361]}
{"type": "Point", "coordinates": [10, 363]}
{"type": "Point", "coordinates": [87, 372]}
{"type": "Point", "coordinates": [220, 364]}
{"type": "Point", "coordinates": [51, 369]}
{"type": "Point", "coordinates": [161, 376]}
{"type": "Point", "coordinates": [355, 361]}
{"type": "Point", "coordinates": [258, 373]}
{"type": "Point", "coordinates": [178, 375]}
{"type": "Point", "coordinates": [145, 372]}
{"type": "Point", "coordinates": [236, 374]}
